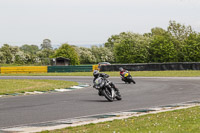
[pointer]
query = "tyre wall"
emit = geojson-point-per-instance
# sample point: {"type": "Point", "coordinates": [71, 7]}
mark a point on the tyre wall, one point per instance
{"type": "Point", "coordinates": [153, 66]}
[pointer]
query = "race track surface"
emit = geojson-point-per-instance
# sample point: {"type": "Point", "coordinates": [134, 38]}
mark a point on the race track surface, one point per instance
{"type": "Point", "coordinates": [147, 92]}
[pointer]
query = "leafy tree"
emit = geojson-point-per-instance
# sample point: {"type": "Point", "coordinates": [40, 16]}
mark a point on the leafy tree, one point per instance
{"type": "Point", "coordinates": [106, 55]}
{"type": "Point", "coordinates": [131, 48]}
{"type": "Point", "coordinates": [102, 54]}
{"type": "Point", "coordinates": [191, 49]}
{"type": "Point", "coordinates": [94, 54]}
{"type": "Point", "coordinates": [8, 52]}
{"type": "Point", "coordinates": [86, 56]}
{"type": "Point", "coordinates": [46, 44]}
{"type": "Point", "coordinates": [111, 42]}
{"type": "Point", "coordinates": [30, 53]}
{"type": "Point", "coordinates": [162, 49]}
{"type": "Point", "coordinates": [180, 34]}
{"type": "Point", "coordinates": [21, 58]}
{"type": "Point", "coordinates": [67, 51]}
{"type": "Point", "coordinates": [155, 31]}
{"type": "Point", "coordinates": [30, 49]}
{"type": "Point", "coordinates": [179, 31]}
{"type": "Point", "coordinates": [2, 58]}
{"type": "Point", "coordinates": [44, 55]}
{"type": "Point", "coordinates": [158, 31]}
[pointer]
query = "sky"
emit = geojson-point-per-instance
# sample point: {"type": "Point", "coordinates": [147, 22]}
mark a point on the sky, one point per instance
{"type": "Point", "coordinates": [88, 22]}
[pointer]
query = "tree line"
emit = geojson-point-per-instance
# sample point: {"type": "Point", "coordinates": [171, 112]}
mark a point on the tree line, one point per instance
{"type": "Point", "coordinates": [179, 43]}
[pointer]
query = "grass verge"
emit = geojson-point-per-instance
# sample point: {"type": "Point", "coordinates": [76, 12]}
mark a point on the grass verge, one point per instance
{"type": "Point", "coordinates": [184, 120]}
{"type": "Point", "coordinates": [9, 86]}
{"type": "Point", "coordinates": [187, 73]}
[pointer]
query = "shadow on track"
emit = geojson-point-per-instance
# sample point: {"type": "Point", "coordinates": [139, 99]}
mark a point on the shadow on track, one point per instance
{"type": "Point", "coordinates": [102, 101]}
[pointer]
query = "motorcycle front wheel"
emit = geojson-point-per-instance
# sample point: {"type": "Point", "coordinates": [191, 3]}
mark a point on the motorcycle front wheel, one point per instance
{"type": "Point", "coordinates": [133, 81]}
{"type": "Point", "coordinates": [108, 94]}
{"type": "Point", "coordinates": [130, 79]}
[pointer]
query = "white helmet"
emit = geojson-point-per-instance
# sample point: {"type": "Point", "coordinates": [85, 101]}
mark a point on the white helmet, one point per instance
{"type": "Point", "coordinates": [121, 69]}
{"type": "Point", "coordinates": [96, 72]}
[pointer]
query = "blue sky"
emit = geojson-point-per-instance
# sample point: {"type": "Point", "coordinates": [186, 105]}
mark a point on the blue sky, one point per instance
{"type": "Point", "coordinates": [82, 22]}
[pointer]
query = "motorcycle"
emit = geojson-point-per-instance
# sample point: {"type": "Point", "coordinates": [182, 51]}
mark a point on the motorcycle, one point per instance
{"type": "Point", "coordinates": [106, 88]}
{"type": "Point", "coordinates": [127, 78]}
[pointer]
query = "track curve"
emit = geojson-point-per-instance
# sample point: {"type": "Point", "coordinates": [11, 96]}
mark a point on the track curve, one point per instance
{"type": "Point", "coordinates": [147, 92]}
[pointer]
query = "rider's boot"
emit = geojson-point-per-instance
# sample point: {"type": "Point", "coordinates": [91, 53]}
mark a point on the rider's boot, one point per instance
{"type": "Point", "coordinates": [116, 89]}
{"type": "Point", "coordinates": [118, 93]}
{"type": "Point", "coordinates": [100, 93]}
{"type": "Point", "coordinates": [124, 80]}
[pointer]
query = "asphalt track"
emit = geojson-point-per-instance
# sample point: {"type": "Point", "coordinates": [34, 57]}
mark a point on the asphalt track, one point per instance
{"type": "Point", "coordinates": [147, 92]}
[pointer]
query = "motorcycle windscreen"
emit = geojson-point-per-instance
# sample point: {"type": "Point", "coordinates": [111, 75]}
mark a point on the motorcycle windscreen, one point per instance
{"type": "Point", "coordinates": [98, 81]}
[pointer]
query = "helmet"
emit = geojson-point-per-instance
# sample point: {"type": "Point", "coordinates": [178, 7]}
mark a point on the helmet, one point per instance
{"type": "Point", "coordinates": [121, 69]}
{"type": "Point", "coordinates": [96, 72]}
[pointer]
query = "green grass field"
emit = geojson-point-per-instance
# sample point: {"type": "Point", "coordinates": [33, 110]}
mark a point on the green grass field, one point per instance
{"type": "Point", "coordinates": [178, 121]}
{"type": "Point", "coordinates": [189, 73]}
{"type": "Point", "coordinates": [9, 86]}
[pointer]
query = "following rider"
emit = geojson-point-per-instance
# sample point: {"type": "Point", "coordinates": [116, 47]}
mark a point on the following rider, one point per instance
{"type": "Point", "coordinates": [122, 73]}
{"type": "Point", "coordinates": [122, 70]}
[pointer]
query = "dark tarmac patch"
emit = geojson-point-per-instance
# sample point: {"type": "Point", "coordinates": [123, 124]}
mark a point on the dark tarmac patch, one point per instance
{"type": "Point", "coordinates": [103, 116]}
{"type": "Point", "coordinates": [142, 110]}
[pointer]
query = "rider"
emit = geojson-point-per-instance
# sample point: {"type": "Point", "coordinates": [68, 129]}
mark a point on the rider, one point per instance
{"type": "Point", "coordinates": [122, 70]}
{"type": "Point", "coordinates": [96, 74]}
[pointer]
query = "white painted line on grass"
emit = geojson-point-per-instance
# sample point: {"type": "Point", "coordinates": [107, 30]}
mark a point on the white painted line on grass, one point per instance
{"type": "Point", "coordinates": [38, 92]}
{"type": "Point", "coordinates": [76, 87]}
{"type": "Point", "coordinates": [57, 90]}
{"type": "Point", "coordinates": [29, 93]}
{"type": "Point", "coordinates": [62, 90]}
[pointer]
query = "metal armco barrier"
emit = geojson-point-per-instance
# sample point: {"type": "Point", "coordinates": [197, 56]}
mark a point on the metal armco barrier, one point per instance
{"type": "Point", "coordinates": [153, 66]}
{"type": "Point", "coordinates": [23, 69]}
{"type": "Point", "coordinates": [81, 68]}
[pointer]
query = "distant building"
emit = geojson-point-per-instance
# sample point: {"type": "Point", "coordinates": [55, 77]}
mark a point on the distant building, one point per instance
{"type": "Point", "coordinates": [60, 61]}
